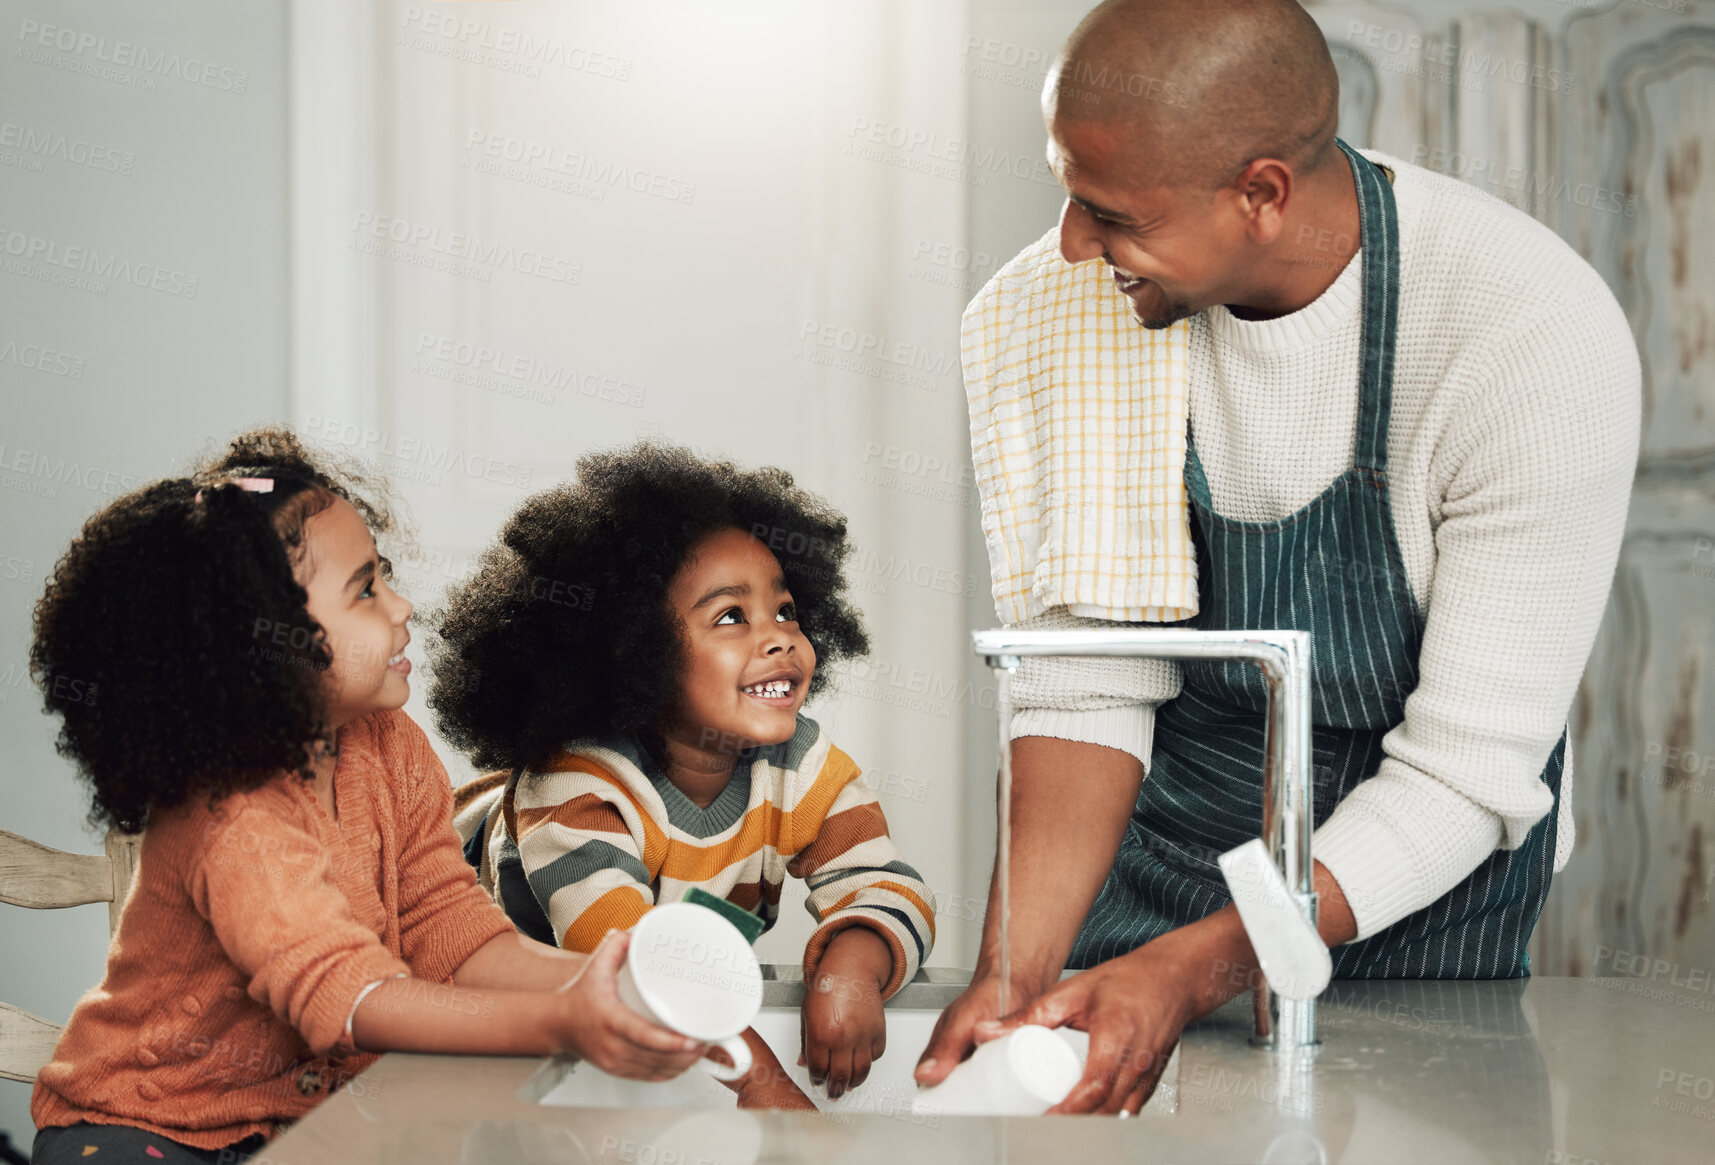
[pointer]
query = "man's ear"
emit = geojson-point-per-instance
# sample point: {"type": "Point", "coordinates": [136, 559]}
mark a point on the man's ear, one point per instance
{"type": "Point", "coordinates": [1263, 190]}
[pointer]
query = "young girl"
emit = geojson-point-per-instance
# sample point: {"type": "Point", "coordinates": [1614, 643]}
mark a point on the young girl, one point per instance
{"type": "Point", "coordinates": [636, 652]}
{"type": "Point", "coordinates": [300, 900]}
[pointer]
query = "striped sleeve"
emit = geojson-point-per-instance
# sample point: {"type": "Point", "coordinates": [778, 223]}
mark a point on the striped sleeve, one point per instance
{"type": "Point", "coordinates": [856, 877]}
{"type": "Point", "coordinates": [582, 839]}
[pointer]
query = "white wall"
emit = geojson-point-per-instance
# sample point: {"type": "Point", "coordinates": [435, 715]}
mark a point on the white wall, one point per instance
{"type": "Point", "coordinates": [151, 376]}
{"type": "Point", "coordinates": [755, 239]}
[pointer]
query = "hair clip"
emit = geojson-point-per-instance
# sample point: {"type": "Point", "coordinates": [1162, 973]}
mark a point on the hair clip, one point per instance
{"type": "Point", "coordinates": [255, 485]}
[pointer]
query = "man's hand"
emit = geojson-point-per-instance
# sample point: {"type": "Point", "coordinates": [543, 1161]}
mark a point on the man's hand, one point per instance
{"type": "Point", "coordinates": [1134, 1008]}
{"type": "Point", "coordinates": [844, 1030]}
{"type": "Point", "coordinates": [955, 1032]}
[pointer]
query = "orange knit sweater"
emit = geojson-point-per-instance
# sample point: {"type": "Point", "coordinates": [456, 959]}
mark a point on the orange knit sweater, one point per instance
{"type": "Point", "coordinates": [251, 928]}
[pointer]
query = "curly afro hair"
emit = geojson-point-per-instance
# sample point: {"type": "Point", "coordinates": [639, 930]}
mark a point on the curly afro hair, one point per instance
{"type": "Point", "coordinates": [564, 631]}
{"type": "Point", "coordinates": [154, 639]}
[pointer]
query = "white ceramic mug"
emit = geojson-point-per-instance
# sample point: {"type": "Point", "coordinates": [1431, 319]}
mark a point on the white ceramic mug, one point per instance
{"type": "Point", "coordinates": [1023, 1073]}
{"type": "Point", "coordinates": [691, 970]}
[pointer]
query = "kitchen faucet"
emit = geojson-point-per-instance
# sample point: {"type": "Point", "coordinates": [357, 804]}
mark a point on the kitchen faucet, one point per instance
{"type": "Point", "coordinates": [1270, 877]}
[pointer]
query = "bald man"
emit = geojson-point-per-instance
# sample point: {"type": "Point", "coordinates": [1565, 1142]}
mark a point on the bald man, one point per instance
{"type": "Point", "coordinates": [1414, 418]}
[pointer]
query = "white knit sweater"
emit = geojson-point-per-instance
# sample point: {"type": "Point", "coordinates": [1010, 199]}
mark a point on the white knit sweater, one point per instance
{"type": "Point", "coordinates": [1514, 435]}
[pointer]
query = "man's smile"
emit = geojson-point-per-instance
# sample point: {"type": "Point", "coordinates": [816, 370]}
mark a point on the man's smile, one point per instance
{"type": "Point", "coordinates": [1126, 281]}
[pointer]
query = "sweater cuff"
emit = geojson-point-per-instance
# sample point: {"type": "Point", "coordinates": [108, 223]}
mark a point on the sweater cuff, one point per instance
{"type": "Point", "coordinates": [1394, 850]}
{"type": "Point", "coordinates": [325, 1024]}
{"type": "Point", "coordinates": [1130, 728]}
{"type": "Point", "coordinates": [905, 964]}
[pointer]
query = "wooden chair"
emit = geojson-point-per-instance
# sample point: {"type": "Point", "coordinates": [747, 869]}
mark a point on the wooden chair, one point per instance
{"type": "Point", "coordinates": [33, 875]}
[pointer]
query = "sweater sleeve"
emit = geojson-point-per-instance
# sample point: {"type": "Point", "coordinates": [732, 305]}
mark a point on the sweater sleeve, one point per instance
{"type": "Point", "coordinates": [1110, 702]}
{"type": "Point", "coordinates": [1531, 523]}
{"type": "Point", "coordinates": [856, 877]}
{"type": "Point", "coordinates": [265, 885]}
{"type": "Point", "coordinates": [444, 917]}
{"type": "Point", "coordinates": [582, 842]}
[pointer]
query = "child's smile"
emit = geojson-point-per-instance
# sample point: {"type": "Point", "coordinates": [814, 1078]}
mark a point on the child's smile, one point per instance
{"type": "Point", "coordinates": [773, 690]}
{"type": "Point", "coordinates": [747, 665]}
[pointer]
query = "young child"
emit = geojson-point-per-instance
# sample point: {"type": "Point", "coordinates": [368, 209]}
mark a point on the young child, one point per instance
{"type": "Point", "coordinates": [301, 899]}
{"type": "Point", "coordinates": [635, 652]}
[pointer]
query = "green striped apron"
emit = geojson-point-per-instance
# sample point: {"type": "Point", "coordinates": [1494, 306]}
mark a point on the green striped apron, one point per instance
{"type": "Point", "coordinates": [1333, 569]}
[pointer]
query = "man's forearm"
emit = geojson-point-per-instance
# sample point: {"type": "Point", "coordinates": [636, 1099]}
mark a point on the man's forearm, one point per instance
{"type": "Point", "coordinates": [1217, 957]}
{"type": "Point", "coordinates": [1071, 803]}
{"type": "Point", "coordinates": [1070, 806]}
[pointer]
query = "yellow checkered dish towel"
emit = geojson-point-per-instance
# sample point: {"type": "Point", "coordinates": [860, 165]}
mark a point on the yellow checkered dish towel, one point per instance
{"type": "Point", "coordinates": [1078, 441]}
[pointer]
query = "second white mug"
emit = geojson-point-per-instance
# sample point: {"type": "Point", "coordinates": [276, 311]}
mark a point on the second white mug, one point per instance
{"type": "Point", "coordinates": [691, 970]}
{"type": "Point", "coordinates": [1023, 1073]}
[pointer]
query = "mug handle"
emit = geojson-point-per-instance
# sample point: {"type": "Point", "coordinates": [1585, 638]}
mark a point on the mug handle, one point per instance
{"type": "Point", "coordinates": [735, 1047]}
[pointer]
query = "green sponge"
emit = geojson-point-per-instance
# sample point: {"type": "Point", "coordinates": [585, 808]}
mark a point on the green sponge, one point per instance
{"type": "Point", "coordinates": [749, 925]}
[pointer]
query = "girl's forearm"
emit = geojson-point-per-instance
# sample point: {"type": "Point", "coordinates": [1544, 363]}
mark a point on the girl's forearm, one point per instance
{"type": "Point", "coordinates": [416, 1015]}
{"type": "Point", "coordinates": [514, 962]}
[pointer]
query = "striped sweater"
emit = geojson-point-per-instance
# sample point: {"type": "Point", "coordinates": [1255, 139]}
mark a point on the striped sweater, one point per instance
{"type": "Point", "coordinates": [599, 835]}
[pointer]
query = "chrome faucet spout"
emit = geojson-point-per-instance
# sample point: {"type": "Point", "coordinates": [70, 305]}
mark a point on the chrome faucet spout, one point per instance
{"type": "Point", "coordinates": [1284, 1021]}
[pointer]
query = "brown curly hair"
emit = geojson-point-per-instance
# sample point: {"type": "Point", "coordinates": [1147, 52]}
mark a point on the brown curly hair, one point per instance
{"type": "Point", "coordinates": [565, 632]}
{"type": "Point", "coordinates": [152, 638]}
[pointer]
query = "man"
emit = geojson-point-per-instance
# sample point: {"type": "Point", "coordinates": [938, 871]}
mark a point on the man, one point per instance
{"type": "Point", "coordinates": [1414, 418]}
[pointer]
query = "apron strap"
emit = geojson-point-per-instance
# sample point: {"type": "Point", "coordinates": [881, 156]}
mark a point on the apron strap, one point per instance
{"type": "Point", "coordinates": [1378, 225]}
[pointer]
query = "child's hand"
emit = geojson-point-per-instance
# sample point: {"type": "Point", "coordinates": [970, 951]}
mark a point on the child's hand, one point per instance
{"type": "Point", "coordinates": [786, 1095]}
{"type": "Point", "coordinates": [595, 1025]}
{"type": "Point", "coordinates": [843, 1025]}
{"type": "Point", "coordinates": [772, 1088]}
{"type": "Point", "coordinates": [766, 1085]}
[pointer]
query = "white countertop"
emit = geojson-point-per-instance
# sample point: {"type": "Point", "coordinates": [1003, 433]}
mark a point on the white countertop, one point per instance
{"type": "Point", "coordinates": [1545, 1071]}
